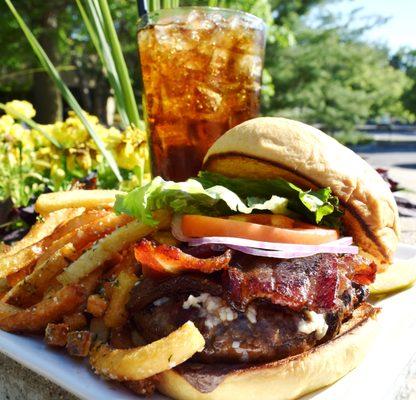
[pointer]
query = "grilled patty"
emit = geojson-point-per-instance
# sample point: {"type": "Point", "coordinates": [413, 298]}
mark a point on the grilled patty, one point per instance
{"type": "Point", "coordinates": [244, 318]}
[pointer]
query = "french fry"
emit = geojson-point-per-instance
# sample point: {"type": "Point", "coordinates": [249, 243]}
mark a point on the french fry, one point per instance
{"type": "Point", "coordinates": [56, 334]}
{"type": "Point", "coordinates": [96, 305]}
{"type": "Point", "coordinates": [143, 362]}
{"type": "Point", "coordinates": [76, 321]}
{"type": "Point", "coordinates": [30, 290]}
{"type": "Point", "coordinates": [16, 277]}
{"type": "Point", "coordinates": [116, 314]}
{"type": "Point", "coordinates": [4, 248]}
{"type": "Point", "coordinates": [4, 287]}
{"type": "Point", "coordinates": [44, 228]}
{"type": "Point", "coordinates": [43, 249]}
{"type": "Point", "coordinates": [86, 235]}
{"type": "Point", "coordinates": [49, 202]}
{"type": "Point", "coordinates": [51, 309]}
{"type": "Point", "coordinates": [104, 249]}
{"type": "Point", "coordinates": [128, 263]}
{"type": "Point", "coordinates": [6, 310]}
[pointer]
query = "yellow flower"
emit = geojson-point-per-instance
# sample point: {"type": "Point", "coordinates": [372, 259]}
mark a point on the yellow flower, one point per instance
{"type": "Point", "coordinates": [17, 108]}
{"type": "Point", "coordinates": [6, 122]}
{"type": "Point", "coordinates": [18, 133]}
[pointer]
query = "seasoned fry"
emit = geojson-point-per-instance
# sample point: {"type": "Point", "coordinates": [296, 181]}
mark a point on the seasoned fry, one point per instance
{"type": "Point", "coordinates": [79, 343]}
{"type": "Point", "coordinates": [143, 362]}
{"type": "Point", "coordinates": [82, 238]}
{"type": "Point", "coordinates": [128, 263]}
{"type": "Point", "coordinates": [44, 228]}
{"type": "Point", "coordinates": [51, 309]}
{"type": "Point", "coordinates": [6, 310]}
{"type": "Point", "coordinates": [30, 290]}
{"type": "Point", "coordinates": [49, 202]}
{"type": "Point", "coordinates": [16, 277]}
{"type": "Point", "coordinates": [96, 305]}
{"type": "Point", "coordinates": [104, 249]}
{"type": "Point", "coordinates": [43, 249]}
{"type": "Point", "coordinates": [56, 334]}
{"type": "Point", "coordinates": [116, 314]}
{"type": "Point", "coordinates": [4, 287]}
{"type": "Point", "coordinates": [75, 321]}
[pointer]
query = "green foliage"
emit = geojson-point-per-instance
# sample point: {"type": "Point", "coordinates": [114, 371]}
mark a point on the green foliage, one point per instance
{"type": "Point", "coordinates": [405, 60]}
{"type": "Point", "coordinates": [329, 79]}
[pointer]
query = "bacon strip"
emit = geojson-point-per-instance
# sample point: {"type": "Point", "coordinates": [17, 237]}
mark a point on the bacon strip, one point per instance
{"type": "Point", "coordinates": [315, 283]}
{"type": "Point", "coordinates": [161, 259]}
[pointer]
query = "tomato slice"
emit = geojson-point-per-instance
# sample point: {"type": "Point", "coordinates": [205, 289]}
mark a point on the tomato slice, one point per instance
{"type": "Point", "coordinates": [202, 226]}
{"type": "Point", "coordinates": [280, 221]}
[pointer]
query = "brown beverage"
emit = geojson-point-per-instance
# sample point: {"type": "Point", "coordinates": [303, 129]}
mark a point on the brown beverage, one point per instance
{"type": "Point", "coordinates": [201, 71]}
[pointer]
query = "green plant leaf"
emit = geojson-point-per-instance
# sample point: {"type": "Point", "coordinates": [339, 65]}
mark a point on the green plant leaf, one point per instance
{"type": "Point", "coordinates": [66, 93]}
{"type": "Point", "coordinates": [93, 23]}
{"type": "Point", "coordinates": [120, 64]}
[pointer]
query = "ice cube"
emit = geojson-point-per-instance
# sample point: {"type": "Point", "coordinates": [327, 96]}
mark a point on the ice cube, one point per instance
{"type": "Point", "coordinates": [216, 18]}
{"type": "Point", "coordinates": [219, 61]}
{"type": "Point", "coordinates": [249, 66]}
{"type": "Point", "coordinates": [235, 23]}
{"type": "Point", "coordinates": [207, 100]}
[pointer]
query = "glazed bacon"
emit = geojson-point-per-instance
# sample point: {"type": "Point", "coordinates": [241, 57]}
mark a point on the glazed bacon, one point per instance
{"type": "Point", "coordinates": [315, 283]}
{"type": "Point", "coordinates": [161, 259]}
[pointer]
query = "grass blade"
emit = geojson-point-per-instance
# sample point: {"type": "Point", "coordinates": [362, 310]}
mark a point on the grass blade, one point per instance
{"type": "Point", "coordinates": [36, 126]}
{"type": "Point", "coordinates": [66, 93]}
{"type": "Point", "coordinates": [120, 65]}
{"type": "Point", "coordinates": [94, 28]}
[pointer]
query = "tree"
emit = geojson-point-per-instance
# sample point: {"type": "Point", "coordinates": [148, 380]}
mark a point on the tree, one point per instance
{"type": "Point", "coordinates": [405, 60]}
{"type": "Point", "coordinates": [331, 78]}
{"type": "Point", "coordinates": [60, 30]}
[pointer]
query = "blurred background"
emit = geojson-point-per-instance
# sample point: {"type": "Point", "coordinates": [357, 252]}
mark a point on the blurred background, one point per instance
{"type": "Point", "coordinates": [339, 64]}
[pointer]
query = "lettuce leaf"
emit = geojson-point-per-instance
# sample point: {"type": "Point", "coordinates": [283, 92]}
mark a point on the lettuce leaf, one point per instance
{"type": "Point", "coordinates": [317, 206]}
{"type": "Point", "coordinates": [191, 197]}
{"type": "Point", "coordinates": [215, 195]}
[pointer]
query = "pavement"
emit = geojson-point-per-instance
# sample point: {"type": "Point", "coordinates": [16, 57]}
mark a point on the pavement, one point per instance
{"type": "Point", "coordinates": [395, 151]}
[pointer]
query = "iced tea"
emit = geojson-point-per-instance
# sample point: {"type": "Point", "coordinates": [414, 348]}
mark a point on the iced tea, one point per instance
{"type": "Point", "coordinates": [201, 72]}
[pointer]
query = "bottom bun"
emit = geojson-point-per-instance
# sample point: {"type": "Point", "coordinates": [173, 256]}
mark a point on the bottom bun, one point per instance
{"type": "Point", "coordinates": [292, 377]}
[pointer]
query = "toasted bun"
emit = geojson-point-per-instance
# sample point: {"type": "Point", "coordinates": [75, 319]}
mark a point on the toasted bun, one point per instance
{"type": "Point", "coordinates": [304, 155]}
{"type": "Point", "coordinates": [292, 377]}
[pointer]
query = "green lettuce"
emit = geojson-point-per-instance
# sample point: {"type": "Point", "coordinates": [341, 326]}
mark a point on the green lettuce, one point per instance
{"type": "Point", "coordinates": [215, 195]}
{"type": "Point", "coordinates": [191, 197]}
{"type": "Point", "coordinates": [317, 206]}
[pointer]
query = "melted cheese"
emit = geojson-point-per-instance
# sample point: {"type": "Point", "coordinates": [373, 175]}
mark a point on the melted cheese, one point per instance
{"type": "Point", "coordinates": [315, 323]}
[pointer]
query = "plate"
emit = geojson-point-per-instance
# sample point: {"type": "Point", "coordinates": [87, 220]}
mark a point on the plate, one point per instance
{"type": "Point", "coordinates": [384, 365]}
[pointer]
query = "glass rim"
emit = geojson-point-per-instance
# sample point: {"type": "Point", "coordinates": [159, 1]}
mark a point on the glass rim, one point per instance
{"type": "Point", "coordinates": [152, 17]}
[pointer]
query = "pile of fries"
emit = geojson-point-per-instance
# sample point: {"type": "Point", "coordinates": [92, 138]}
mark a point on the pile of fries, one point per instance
{"type": "Point", "coordinates": [70, 279]}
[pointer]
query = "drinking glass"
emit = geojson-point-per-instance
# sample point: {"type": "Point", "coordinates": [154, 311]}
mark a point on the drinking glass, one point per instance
{"type": "Point", "coordinates": [201, 69]}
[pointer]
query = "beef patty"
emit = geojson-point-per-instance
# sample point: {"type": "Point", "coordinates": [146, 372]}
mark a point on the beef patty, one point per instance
{"type": "Point", "coordinates": [264, 324]}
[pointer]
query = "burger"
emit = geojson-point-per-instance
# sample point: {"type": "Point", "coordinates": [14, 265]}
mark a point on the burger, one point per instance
{"type": "Point", "coordinates": [270, 253]}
